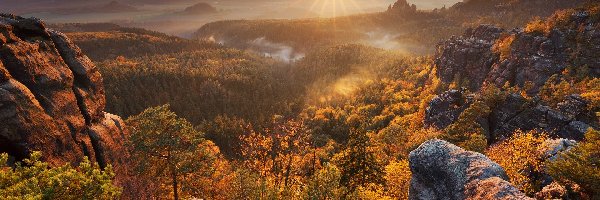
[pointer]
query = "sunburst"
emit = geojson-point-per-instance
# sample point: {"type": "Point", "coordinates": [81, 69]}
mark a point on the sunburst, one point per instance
{"type": "Point", "coordinates": [331, 8]}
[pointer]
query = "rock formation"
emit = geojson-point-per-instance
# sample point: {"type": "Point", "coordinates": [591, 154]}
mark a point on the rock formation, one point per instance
{"type": "Point", "coordinates": [488, 55]}
{"type": "Point", "coordinates": [469, 57]}
{"type": "Point", "coordinates": [531, 57]}
{"type": "Point", "coordinates": [569, 120]}
{"type": "Point", "coordinates": [446, 108]}
{"type": "Point", "coordinates": [441, 170]}
{"type": "Point", "coordinates": [402, 6]}
{"type": "Point", "coordinates": [52, 100]}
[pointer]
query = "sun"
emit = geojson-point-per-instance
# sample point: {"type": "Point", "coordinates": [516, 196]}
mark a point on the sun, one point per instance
{"type": "Point", "coordinates": [332, 8]}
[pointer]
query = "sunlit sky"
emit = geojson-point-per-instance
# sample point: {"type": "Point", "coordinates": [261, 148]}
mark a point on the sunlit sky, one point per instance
{"type": "Point", "coordinates": [345, 7]}
{"type": "Point", "coordinates": [160, 15]}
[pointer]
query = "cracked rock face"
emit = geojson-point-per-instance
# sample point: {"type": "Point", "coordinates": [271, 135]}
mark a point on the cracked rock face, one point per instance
{"type": "Point", "coordinates": [570, 119]}
{"type": "Point", "coordinates": [532, 58]}
{"type": "Point", "coordinates": [468, 58]}
{"type": "Point", "coordinates": [441, 170]}
{"type": "Point", "coordinates": [445, 109]}
{"type": "Point", "coordinates": [52, 100]}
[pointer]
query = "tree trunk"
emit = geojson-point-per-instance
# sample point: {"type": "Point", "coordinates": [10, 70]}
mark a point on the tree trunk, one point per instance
{"type": "Point", "coordinates": [175, 195]}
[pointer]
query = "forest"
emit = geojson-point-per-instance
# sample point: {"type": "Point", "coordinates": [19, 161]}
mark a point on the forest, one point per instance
{"type": "Point", "coordinates": [208, 118]}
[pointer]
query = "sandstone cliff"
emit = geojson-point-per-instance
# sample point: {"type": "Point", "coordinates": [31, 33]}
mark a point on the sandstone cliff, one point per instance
{"type": "Point", "coordinates": [525, 58]}
{"type": "Point", "coordinates": [490, 55]}
{"type": "Point", "coordinates": [52, 100]}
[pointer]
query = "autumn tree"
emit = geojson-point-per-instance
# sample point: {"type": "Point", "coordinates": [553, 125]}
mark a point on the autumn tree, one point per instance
{"type": "Point", "coordinates": [167, 147]}
{"type": "Point", "coordinates": [397, 179]}
{"type": "Point", "coordinates": [522, 157]}
{"type": "Point", "coordinates": [34, 179]}
{"type": "Point", "coordinates": [284, 153]}
{"type": "Point", "coordinates": [325, 184]}
{"type": "Point", "coordinates": [358, 163]}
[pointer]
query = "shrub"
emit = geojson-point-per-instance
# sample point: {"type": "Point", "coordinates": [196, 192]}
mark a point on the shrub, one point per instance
{"type": "Point", "coordinates": [580, 165]}
{"type": "Point", "coordinates": [522, 158]}
{"type": "Point", "coordinates": [466, 132]}
{"type": "Point", "coordinates": [397, 179]}
{"type": "Point", "coordinates": [503, 46]}
{"type": "Point", "coordinates": [537, 26]}
{"type": "Point", "coordinates": [34, 179]}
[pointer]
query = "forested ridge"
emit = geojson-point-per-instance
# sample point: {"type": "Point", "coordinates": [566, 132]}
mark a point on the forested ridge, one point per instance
{"type": "Point", "coordinates": [419, 31]}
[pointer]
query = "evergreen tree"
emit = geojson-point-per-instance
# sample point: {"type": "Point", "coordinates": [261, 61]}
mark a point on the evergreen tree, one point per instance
{"type": "Point", "coordinates": [167, 147]}
{"type": "Point", "coordinates": [358, 164]}
{"type": "Point", "coordinates": [580, 165]}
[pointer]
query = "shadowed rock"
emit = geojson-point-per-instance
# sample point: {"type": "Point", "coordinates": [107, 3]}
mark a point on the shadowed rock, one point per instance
{"type": "Point", "coordinates": [52, 101]}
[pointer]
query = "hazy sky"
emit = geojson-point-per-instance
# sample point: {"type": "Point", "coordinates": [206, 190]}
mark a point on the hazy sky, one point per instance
{"type": "Point", "coordinates": [161, 15]}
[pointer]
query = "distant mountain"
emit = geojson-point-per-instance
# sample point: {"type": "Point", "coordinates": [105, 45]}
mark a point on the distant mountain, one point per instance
{"type": "Point", "coordinates": [199, 9]}
{"type": "Point", "coordinates": [115, 6]}
{"type": "Point", "coordinates": [64, 6]}
{"type": "Point", "coordinates": [110, 7]}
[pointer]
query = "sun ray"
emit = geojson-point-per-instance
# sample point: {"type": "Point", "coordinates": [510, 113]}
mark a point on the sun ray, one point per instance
{"type": "Point", "coordinates": [314, 5]}
{"type": "Point", "coordinates": [335, 8]}
{"type": "Point", "coordinates": [356, 6]}
{"type": "Point", "coordinates": [343, 7]}
{"type": "Point", "coordinates": [323, 8]}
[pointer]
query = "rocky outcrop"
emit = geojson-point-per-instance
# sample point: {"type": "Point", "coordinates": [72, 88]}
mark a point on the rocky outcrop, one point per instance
{"type": "Point", "coordinates": [402, 7]}
{"type": "Point", "coordinates": [490, 56]}
{"type": "Point", "coordinates": [570, 119]}
{"type": "Point", "coordinates": [52, 100]}
{"type": "Point", "coordinates": [528, 57]}
{"type": "Point", "coordinates": [534, 56]}
{"type": "Point", "coordinates": [468, 58]}
{"type": "Point", "coordinates": [446, 108]}
{"type": "Point", "coordinates": [441, 170]}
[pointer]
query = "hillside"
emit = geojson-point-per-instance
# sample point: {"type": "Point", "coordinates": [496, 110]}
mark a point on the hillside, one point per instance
{"type": "Point", "coordinates": [108, 41]}
{"type": "Point", "coordinates": [201, 8]}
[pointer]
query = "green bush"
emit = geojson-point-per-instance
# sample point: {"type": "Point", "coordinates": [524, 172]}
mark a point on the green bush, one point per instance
{"type": "Point", "coordinates": [580, 165]}
{"type": "Point", "coordinates": [34, 179]}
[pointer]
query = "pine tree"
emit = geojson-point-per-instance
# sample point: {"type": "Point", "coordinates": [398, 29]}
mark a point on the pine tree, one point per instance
{"type": "Point", "coordinates": [358, 164]}
{"type": "Point", "coordinates": [167, 147]}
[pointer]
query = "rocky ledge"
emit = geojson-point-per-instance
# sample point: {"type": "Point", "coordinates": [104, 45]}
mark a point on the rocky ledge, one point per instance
{"type": "Point", "coordinates": [569, 119]}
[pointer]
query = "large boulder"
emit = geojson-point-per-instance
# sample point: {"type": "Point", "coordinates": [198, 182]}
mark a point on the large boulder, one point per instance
{"type": "Point", "coordinates": [441, 170]}
{"type": "Point", "coordinates": [52, 101]}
